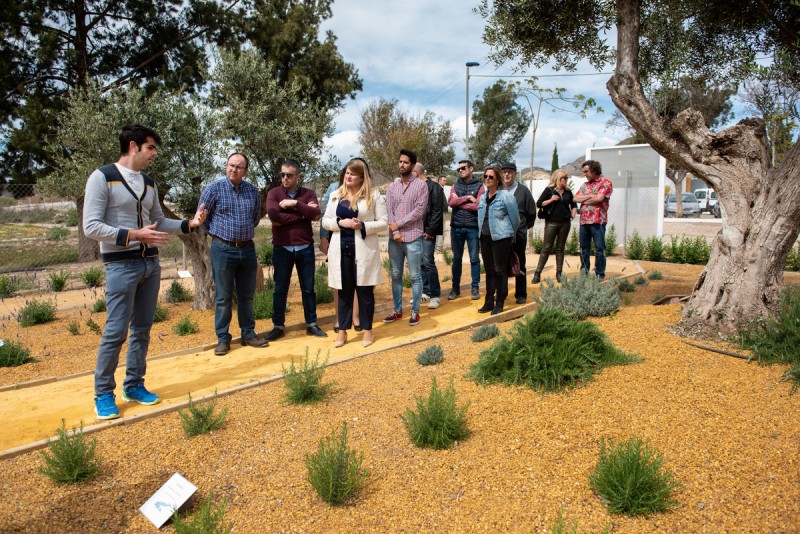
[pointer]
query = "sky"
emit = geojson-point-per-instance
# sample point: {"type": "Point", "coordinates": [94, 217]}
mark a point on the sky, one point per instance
{"type": "Point", "coordinates": [415, 51]}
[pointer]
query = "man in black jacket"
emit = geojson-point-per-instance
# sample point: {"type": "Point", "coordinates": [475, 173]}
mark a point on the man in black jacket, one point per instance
{"type": "Point", "coordinates": [527, 216]}
{"type": "Point", "coordinates": [433, 225]}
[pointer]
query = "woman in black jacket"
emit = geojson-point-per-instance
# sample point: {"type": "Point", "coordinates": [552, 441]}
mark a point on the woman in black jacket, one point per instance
{"type": "Point", "coordinates": [559, 209]}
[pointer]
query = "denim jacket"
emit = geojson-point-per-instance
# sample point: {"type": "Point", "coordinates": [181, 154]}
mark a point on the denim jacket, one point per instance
{"type": "Point", "coordinates": [503, 215]}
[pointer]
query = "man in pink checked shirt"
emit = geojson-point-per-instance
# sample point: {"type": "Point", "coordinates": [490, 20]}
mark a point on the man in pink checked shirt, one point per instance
{"type": "Point", "coordinates": [406, 201]}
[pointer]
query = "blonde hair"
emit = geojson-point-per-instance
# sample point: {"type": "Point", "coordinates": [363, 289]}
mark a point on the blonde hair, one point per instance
{"type": "Point", "coordinates": [556, 176]}
{"type": "Point", "coordinates": [358, 167]}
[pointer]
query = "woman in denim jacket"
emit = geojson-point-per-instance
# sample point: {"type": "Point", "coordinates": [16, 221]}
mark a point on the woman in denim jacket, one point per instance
{"type": "Point", "coordinates": [498, 219]}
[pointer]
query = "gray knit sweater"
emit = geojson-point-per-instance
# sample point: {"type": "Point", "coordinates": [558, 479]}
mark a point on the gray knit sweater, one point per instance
{"type": "Point", "coordinates": [111, 209]}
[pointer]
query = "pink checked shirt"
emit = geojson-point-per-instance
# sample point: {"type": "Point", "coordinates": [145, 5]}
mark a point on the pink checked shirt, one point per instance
{"type": "Point", "coordinates": [405, 207]}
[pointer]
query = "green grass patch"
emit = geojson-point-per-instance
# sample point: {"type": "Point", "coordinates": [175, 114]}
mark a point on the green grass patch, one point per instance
{"type": "Point", "coordinates": [93, 277]}
{"type": "Point", "coordinates": [431, 355]}
{"type": "Point", "coordinates": [439, 420]}
{"type": "Point", "coordinates": [630, 479]}
{"type": "Point", "coordinates": [37, 312]}
{"type": "Point", "coordinates": [207, 519]}
{"type": "Point", "coordinates": [549, 351]}
{"type": "Point", "coordinates": [198, 420]}
{"type": "Point", "coordinates": [185, 326]}
{"type": "Point", "coordinates": [71, 458]}
{"type": "Point", "coordinates": [484, 333]}
{"type": "Point", "coordinates": [13, 354]}
{"type": "Point", "coordinates": [335, 471]}
{"type": "Point", "coordinates": [57, 233]}
{"type": "Point", "coordinates": [13, 257]}
{"type": "Point", "coordinates": [582, 296]}
{"type": "Point", "coordinates": [303, 380]}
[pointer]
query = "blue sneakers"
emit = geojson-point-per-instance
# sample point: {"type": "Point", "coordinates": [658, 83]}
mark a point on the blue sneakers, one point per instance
{"type": "Point", "coordinates": [105, 407]}
{"type": "Point", "coordinates": [139, 393]}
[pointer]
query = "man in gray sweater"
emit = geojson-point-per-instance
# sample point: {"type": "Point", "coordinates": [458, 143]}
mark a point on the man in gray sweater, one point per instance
{"type": "Point", "coordinates": [122, 212]}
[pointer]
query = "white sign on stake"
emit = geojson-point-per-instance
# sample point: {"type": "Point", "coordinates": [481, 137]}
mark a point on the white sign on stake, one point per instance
{"type": "Point", "coordinates": [169, 497]}
{"type": "Point", "coordinates": [184, 274]}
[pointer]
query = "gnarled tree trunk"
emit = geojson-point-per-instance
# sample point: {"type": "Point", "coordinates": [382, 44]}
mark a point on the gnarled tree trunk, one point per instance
{"type": "Point", "coordinates": [200, 253]}
{"type": "Point", "coordinates": [761, 206]}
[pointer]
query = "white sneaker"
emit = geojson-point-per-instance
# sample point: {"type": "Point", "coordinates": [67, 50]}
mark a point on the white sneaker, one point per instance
{"type": "Point", "coordinates": [423, 298]}
{"type": "Point", "coordinates": [434, 303]}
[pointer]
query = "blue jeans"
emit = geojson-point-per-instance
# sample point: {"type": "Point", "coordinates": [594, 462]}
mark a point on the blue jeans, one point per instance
{"type": "Point", "coordinates": [457, 238]}
{"type": "Point", "coordinates": [398, 252]}
{"type": "Point", "coordinates": [233, 268]}
{"type": "Point", "coordinates": [596, 233]}
{"type": "Point", "coordinates": [430, 274]}
{"type": "Point", "coordinates": [283, 260]}
{"type": "Point", "coordinates": [131, 296]}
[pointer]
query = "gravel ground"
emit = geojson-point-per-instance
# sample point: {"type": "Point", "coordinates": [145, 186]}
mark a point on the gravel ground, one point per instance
{"type": "Point", "coordinates": [727, 429]}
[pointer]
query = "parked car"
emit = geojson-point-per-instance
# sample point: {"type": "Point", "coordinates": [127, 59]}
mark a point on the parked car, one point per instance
{"type": "Point", "coordinates": [690, 205]}
{"type": "Point", "coordinates": [707, 198]}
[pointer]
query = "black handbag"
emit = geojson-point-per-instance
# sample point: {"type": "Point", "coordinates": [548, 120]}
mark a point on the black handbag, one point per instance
{"type": "Point", "coordinates": [545, 211]}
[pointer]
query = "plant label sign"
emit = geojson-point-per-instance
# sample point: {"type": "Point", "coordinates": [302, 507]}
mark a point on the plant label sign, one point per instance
{"type": "Point", "coordinates": [184, 274]}
{"type": "Point", "coordinates": [169, 497]}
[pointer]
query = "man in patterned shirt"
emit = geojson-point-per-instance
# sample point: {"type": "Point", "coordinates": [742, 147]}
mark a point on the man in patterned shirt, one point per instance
{"type": "Point", "coordinates": [593, 197]}
{"type": "Point", "coordinates": [406, 201]}
{"type": "Point", "coordinates": [234, 211]}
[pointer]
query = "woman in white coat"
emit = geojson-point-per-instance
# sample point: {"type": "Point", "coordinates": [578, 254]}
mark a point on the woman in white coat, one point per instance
{"type": "Point", "coordinates": [356, 214]}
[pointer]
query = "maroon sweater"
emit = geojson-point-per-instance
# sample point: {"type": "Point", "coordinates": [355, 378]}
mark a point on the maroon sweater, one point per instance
{"type": "Point", "coordinates": [292, 226]}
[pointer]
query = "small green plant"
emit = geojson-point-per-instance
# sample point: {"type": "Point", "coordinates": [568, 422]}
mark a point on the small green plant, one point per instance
{"type": "Point", "coordinates": [58, 280]}
{"type": "Point", "coordinates": [323, 291]}
{"type": "Point", "coordinates": [697, 251]}
{"type": "Point", "coordinates": [387, 265]}
{"type": "Point", "coordinates": [447, 256]}
{"type": "Point", "coordinates": [439, 421]}
{"type": "Point", "coordinates": [407, 280]}
{"type": "Point", "coordinates": [655, 248]}
{"type": "Point", "coordinates": [635, 247]}
{"type": "Point", "coordinates": [93, 277]}
{"type": "Point", "coordinates": [335, 471]}
{"type": "Point", "coordinates": [562, 526]}
{"type": "Point", "coordinates": [792, 374]}
{"type": "Point", "coordinates": [657, 298]}
{"type": "Point", "coordinates": [93, 326]}
{"type": "Point", "coordinates": [74, 328]}
{"type": "Point", "coordinates": [176, 293]}
{"type": "Point", "coordinates": [431, 355]}
{"type": "Point", "coordinates": [13, 354]}
{"type": "Point", "coordinates": [201, 419]}
{"type": "Point", "coordinates": [640, 281]}
{"type": "Point", "coordinates": [71, 458]}
{"type": "Point", "coordinates": [793, 259]}
{"type": "Point", "coordinates": [485, 332]}
{"type": "Point", "coordinates": [582, 296]}
{"type": "Point", "coordinates": [57, 233]}
{"type": "Point", "coordinates": [655, 275]}
{"type": "Point", "coordinates": [37, 312]}
{"type": "Point", "coordinates": [302, 381]}
{"type": "Point", "coordinates": [675, 250]}
{"type": "Point", "coordinates": [573, 245]}
{"type": "Point", "coordinates": [207, 519]}
{"type": "Point", "coordinates": [537, 241]}
{"type": "Point", "coordinates": [446, 278]}
{"type": "Point", "coordinates": [8, 286]}
{"type": "Point", "coordinates": [265, 253]}
{"type": "Point", "coordinates": [630, 479]}
{"type": "Point", "coordinates": [185, 326]}
{"type": "Point", "coordinates": [541, 352]}
{"type": "Point", "coordinates": [71, 217]}
{"type": "Point", "coordinates": [262, 304]}
{"type": "Point", "coordinates": [161, 314]}
{"type": "Point", "coordinates": [99, 305]}
{"type": "Point", "coordinates": [625, 286]}
{"type": "Point", "coordinates": [611, 241]}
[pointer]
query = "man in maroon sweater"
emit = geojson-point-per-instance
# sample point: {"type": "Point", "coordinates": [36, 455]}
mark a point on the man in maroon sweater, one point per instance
{"type": "Point", "coordinates": [291, 208]}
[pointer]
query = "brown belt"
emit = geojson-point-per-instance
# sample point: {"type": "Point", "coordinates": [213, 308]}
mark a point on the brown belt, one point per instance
{"type": "Point", "coordinates": [237, 244]}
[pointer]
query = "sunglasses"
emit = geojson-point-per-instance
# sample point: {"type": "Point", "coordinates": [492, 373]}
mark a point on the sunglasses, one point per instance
{"type": "Point", "coordinates": [490, 177]}
{"type": "Point", "coordinates": [462, 168]}
{"type": "Point", "coordinates": [287, 174]}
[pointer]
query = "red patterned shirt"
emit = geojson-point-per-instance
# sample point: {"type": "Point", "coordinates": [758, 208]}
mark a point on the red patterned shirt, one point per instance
{"type": "Point", "coordinates": [596, 213]}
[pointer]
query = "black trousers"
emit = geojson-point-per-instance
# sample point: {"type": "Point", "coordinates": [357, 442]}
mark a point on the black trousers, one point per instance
{"type": "Point", "coordinates": [520, 245]}
{"type": "Point", "coordinates": [366, 297]}
{"type": "Point", "coordinates": [554, 233]}
{"type": "Point", "coordinates": [495, 259]}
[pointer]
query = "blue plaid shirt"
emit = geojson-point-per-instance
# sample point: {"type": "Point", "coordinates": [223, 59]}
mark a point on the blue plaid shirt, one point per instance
{"type": "Point", "coordinates": [233, 213]}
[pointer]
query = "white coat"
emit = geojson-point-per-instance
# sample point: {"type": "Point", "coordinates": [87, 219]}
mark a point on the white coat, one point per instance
{"type": "Point", "coordinates": [369, 269]}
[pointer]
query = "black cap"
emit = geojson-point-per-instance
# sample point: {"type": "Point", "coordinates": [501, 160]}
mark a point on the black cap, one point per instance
{"type": "Point", "coordinates": [511, 166]}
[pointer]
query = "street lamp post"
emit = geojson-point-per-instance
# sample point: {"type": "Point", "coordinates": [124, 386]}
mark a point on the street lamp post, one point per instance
{"type": "Point", "coordinates": [466, 140]}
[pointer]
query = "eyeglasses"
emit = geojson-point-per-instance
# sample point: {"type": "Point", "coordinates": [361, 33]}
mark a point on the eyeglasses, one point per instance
{"type": "Point", "coordinates": [288, 174]}
{"type": "Point", "coordinates": [462, 168]}
{"type": "Point", "coordinates": [490, 177]}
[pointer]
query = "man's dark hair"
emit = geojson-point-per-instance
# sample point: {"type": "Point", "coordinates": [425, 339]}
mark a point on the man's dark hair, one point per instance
{"type": "Point", "coordinates": [289, 162]}
{"type": "Point", "coordinates": [136, 133]}
{"type": "Point", "coordinates": [411, 155]}
{"type": "Point", "coordinates": [246, 159]}
{"type": "Point", "coordinates": [594, 166]}
{"type": "Point", "coordinates": [468, 162]}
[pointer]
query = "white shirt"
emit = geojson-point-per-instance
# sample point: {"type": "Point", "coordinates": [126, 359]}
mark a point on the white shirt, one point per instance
{"type": "Point", "coordinates": [135, 179]}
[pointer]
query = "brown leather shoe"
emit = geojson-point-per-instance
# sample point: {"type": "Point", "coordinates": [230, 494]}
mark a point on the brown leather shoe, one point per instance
{"type": "Point", "coordinates": [254, 342]}
{"type": "Point", "coordinates": [222, 349]}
